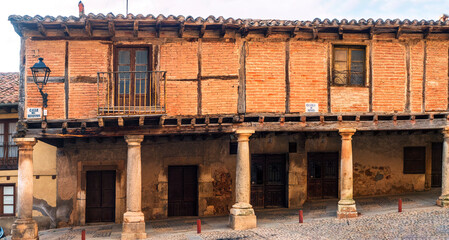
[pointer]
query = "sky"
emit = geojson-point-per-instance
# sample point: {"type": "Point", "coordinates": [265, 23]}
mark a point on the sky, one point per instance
{"type": "Point", "coordinates": [257, 9]}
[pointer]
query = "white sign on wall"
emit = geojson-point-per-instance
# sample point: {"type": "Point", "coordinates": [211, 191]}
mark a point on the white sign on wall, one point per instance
{"type": "Point", "coordinates": [311, 107]}
{"type": "Point", "coordinates": [34, 113]}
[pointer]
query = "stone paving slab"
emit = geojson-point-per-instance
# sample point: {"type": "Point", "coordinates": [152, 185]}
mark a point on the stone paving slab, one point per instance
{"type": "Point", "coordinates": [378, 214]}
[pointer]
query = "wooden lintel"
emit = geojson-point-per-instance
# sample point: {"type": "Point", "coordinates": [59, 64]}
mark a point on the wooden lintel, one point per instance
{"type": "Point", "coordinates": [120, 121]}
{"type": "Point", "coordinates": [100, 122]}
{"type": "Point", "coordinates": [268, 31]}
{"type": "Point", "coordinates": [111, 28]}
{"type": "Point", "coordinates": [340, 32]}
{"type": "Point", "coordinates": [158, 28]}
{"type": "Point", "coordinates": [181, 30]}
{"type": "Point", "coordinates": [399, 32]}
{"type": "Point", "coordinates": [315, 33]}
{"type": "Point", "coordinates": [88, 29]}
{"type": "Point", "coordinates": [42, 29]}
{"type": "Point", "coordinates": [66, 30]}
{"type": "Point", "coordinates": [202, 30]}
{"type": "Point", "coordinates": [223, 31]}
{"type": "Point", "coordinates": [136, 29]}
{"type": "Point", "coordinates": [427, 32]}
{"type": "Point", "coordinates": [141, 120]}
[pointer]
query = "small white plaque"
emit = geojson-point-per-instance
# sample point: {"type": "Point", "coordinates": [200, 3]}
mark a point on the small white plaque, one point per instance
{"type": "Point", "coordinates": [34, 113]}
{"type": "Point", "coordinates": [311, 107]}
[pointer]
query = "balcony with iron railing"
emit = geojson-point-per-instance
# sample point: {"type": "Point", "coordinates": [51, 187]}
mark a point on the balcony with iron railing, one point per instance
{"type": "Point", "coordinates": [131, 93]}
{"type": "Point", "coordinates": [8, 156]}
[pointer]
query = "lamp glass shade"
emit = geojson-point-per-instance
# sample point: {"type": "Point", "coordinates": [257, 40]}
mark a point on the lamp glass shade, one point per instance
{"type": "Point", "coordinates": [40, 73]}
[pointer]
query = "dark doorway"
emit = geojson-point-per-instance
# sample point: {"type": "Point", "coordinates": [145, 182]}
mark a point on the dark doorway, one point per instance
{"type": "Point", "coordinates": [100, 196]}
{"type": "Point", "coordinates": [322, 175]}
{"type": "Point", "coordinates": [268, 180]}
{"type": "Point", "coordinates": [182, 191]}
{"type": "Point", "coordinates": [437, 162]}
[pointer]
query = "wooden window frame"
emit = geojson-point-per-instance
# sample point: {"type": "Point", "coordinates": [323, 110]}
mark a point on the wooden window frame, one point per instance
{"type": "Point", "coordinates": [6, 123]}
{"type": "Point", "coordinates": [348, 48]}
{"type": "Point", "coordinates": [406, 162]}
{"type": "Point", "coordinates": [2, 196]}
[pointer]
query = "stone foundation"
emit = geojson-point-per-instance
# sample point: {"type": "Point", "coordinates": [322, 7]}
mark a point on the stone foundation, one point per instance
{"type": "Point", "coordinates": [25, 229]}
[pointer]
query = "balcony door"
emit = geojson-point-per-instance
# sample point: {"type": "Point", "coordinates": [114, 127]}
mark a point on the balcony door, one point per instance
{"type": "Point", "coordinates": [133, 84]}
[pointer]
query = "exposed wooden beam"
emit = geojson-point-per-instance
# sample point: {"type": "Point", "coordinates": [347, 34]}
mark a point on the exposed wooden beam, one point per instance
{"type": "Point", "coordinates": [66, 30]}
{"type": "Point", "coordinates": [136, 29]}
{"type": "Point", "coordinates": [427, 32]}
{"type": "Point", "coordinates": [399, 32]}
{"type": "Point", "coordinates": [371, 32]}
{"type": "Point", "coordinates": [120, 121]}
{"type": "Point", "coordinates": [100, 122]}
{"type": "Point", "coordinates": [141, 120]}
{"type": "Point", "coordinates": [244, 31]}
{"type": "Point", "coordinates": [294, 32]}
{"type": "Point", "coordinates": [315, 33]}
{"type": "Point", "coordinates": [181, 29]}
{"type": "Point", "coordinates": [340, 32]}
{"type": "Point", "coordinates": [223, 31]}
{"type": "Point", "coordinates": [202, 30]}
{"type": "Point", "coordinates": [42, 29]}
{"type": "Point", "coordinates": [88, 29]}
{"type": "Point", "coordinates": [158, 28]}
{"type": "Point", "coordinates": [111, 28]}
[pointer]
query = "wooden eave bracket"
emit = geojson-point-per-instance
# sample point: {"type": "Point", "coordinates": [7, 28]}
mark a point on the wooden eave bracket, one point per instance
{"type": "Point", "coordinates": [427, 32]}
{"type": "Point", "coordinates": [158, 28]}
{"type": "Point", "coordinates": [66, 29]}
{"type": "Point", "coordinates": [268, 31]}
{"type": "Point", "coordinates": [181, 29]}
{"type": "Point", "coordinates": [340, 32]}
{"type": "Point", "coordinates": [111, 28]}
{"type": "Point", "coordinates": [42, 29]}
{"type": "Point", "coordinates": [202, 30]}
{"type": "Point", "coordinates": [244, 31]}
{"type": "Point", "coordinates": [315, 33]}
{"type": "Point", "coordinates": [399, 32]}
{"type": "Point", "coordinates": [223, 31]}
{"type": "Point", "coordinates": [136, 29]}
{"type": "Point", "coordinates": [295, 32]}
{"type": "Point", "coordinates": [18, 29]}
{"type": "Point", "coordinates": [88, 28]}
{"type": "Point", "coordinates": [371, 32]}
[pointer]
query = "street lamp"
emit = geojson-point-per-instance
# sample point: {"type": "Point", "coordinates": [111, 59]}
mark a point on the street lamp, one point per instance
{"type": "Point", "coordinates": [40, 76]}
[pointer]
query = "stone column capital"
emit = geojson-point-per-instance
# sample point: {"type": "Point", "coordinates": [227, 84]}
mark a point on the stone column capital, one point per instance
{"type": "Point", "coordinates": [244, 134]}
{"type": "Point", "coordinates": [445, 132]}
{"type": "Point", "coordinates": [24, 143]}
{"type": "Point", "coordinates": [346, 133]}
{"type": "Point", "coordinates": [134, 139]}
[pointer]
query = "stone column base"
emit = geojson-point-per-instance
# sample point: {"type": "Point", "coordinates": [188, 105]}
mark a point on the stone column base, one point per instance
{"type": "Point", "coordinates": [133, 226]}
{"type": "Point", "coordinates": [24, 229]}
{"type": "Point", "coordinates": [443, 201]}
{"type": "Point", "coordinates": [346, 209]}
{"type": "Point", "coordinates": [242, 217]}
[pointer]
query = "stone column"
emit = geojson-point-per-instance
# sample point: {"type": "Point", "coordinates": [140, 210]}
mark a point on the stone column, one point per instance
{"type": "Point", "coordinates": [242, 213]}
{"type": "Point", "coordinates": [346, 205]}
{"type": "Point", "coordinates": [133, 219]}
{"type": "Point", "coordinates": [443, 200]}
{"type": "Point", "coordinates": [24, 226]}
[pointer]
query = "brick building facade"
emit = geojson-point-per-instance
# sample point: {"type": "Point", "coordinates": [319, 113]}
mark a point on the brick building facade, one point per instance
{"type": "Point", "coordinates": [174, 116]}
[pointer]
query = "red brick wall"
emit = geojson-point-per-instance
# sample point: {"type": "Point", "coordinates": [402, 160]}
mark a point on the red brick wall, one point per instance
{"type": "Point", "coordinates": [219, 96]}
{"type": "Point", "coordinates": [350, 99]}
{"type": "Point", "coordinates": [436, 76]}
{"type": "Point", "coordinates": [308, 75]}
{"type": "Point", "coordinates": [55, 91]}
{"type": "Point", "coordinates": [265, 77]}
{"type": "Point", "coordinates": [416, 60]}
{"type": "Point", "coordinates": [389, 77]}
{"type": "Point", "coordinates": [220, 58]}
{"type": "Point", "coordinates": [182, 97]}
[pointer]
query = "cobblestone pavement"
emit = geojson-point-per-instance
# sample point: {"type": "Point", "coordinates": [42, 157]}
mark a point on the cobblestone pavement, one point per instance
{"type": "Point", "coordinates": [379, 219]}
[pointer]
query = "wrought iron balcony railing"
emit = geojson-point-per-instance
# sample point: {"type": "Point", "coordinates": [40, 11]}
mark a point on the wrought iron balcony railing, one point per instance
{"type": "Point", "coordinates": [8, 156]}
{"type": "Point", "coordinates": [131, 93]}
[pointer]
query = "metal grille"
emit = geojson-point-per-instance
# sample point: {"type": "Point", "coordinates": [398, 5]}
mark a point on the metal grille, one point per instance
{"type": "Point", "coordinates": [348, 78]}
{"type": "Point", "coordinates": [131, 93]}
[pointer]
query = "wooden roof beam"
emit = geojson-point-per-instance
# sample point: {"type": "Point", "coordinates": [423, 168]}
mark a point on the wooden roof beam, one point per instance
{"type": "Point", "coordinates": [269, 31]}
{"type": "Point", "coordinates": [371, 32]}
{"type": "Point", "coordinates": [340, 32]}
{"type": "Point", "coordinates": [88, 29]}
{"type": "Point", "coordinates": [315, 33]}
{"type": "Point", "coordinates": [399, 32]}
{"type": "Point", "coordinates": [111, 28]}
{"type": "Point", "coordinates": [427, 32]}
{"type": "Point", "coordinates": [244, 31]}
{"type": "Point", "coordinates": [295, 32]}
{"type": "Point", "coordinates": [42, 29]}
{"type": "Point", "coordinates": [181, 29]}
{"type": "Point", "coordinates": [223, 31]}
{"type": "Point", "coordinates": [158, 28]}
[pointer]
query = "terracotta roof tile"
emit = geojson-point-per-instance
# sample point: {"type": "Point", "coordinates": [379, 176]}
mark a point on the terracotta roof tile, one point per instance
{"type": "Point", "coordinates": [9, 87]}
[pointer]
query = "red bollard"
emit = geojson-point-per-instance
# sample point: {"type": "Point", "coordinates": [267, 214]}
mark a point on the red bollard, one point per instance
{"type": "Point", "coordinates": [198, 226]}
{"type": "Point", "coordinates": [301, 218]}
{"type": "Point", "coordinates": [83, 234]}
{"type": "Point", "coordinates": [400, 205]}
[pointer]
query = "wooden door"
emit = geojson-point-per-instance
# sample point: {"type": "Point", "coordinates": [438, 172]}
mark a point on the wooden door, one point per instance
{"type": "Point", "coordinates": [437, 162]}
{"type": "Point", "coordinates": [182, 191]}
{"type": "Point", "coordinates": [268, 177]}
{"type": "Point", "coordinates": [322, 175]}
{"type": "Point", "coordinates": [100, 196]}
{"type": "Point", "coordinates": [133, 80]}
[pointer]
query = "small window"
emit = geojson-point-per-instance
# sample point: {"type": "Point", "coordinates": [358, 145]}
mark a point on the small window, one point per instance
{"type": "Point", "coordinates": [414, 160]}
{"type": "Point", "coordinates": [8, 148]}
{"type": "Point", "coordinates": [7, 200]}
{"type": "Point", "coordinates": [349, 66]}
